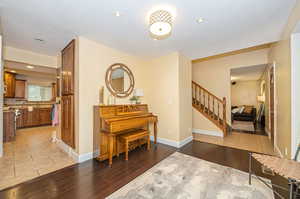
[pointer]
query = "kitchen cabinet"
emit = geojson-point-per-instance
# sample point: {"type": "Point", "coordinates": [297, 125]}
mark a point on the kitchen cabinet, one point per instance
{"type": "Point", "coordinates": [20, 88]}
{"type": "Point", "coordinates": [9, 84]}
{"type": "Point", "coordinates": [36, 117]}
{"type": "Point", "coordinates": [67, 120]}
{"type": "Point", "coordinates": [67, 94]}
{"type": "Point", "coordinates": [9, 129]}
{"type": "Point", "coordinates": [68, 62]}
{"type": "Point", "coordinates": [44, 116]}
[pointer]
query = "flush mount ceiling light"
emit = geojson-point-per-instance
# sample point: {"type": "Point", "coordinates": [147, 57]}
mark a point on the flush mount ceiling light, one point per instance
{"type": "Point", "coordinates": [160, 24]}
{"type": "Point", "coordinates": [30, 67]}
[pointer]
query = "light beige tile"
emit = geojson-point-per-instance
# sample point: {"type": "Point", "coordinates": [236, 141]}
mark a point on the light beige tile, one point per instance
{"type": "Point", "coordinates": [31, 155]}
{"type": "Point", "coordinates": [249, 142]}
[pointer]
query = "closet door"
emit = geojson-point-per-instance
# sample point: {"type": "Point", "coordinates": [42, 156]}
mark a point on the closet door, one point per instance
{"type": "Point", "coordinates": [67, 120]}
{"type": "Point", "coordinates": [68, 63]}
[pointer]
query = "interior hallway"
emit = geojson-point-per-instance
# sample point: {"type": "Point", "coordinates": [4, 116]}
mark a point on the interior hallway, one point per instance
{"type": "Point", "coordinates": [31, 155]}
{"type": "Point", "coordinates": [244, 141]}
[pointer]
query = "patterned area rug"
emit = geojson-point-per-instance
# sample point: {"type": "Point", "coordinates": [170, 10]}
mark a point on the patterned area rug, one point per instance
{"type": "Point", "coordinates": [181, 176]}
{"type": "Point", "coordinates": [243, 125]}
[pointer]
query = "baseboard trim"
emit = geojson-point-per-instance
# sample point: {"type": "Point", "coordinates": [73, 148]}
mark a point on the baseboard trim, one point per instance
{"type": "Point", "coordinates": [207, 132]}
{"type": "Point", "coordinates": [75, 156]}
{"type": "Point", "coordinates": [185, 141]}
{"type": "Point", "coordinates": [172, 142]}
{"type": "Point", "coordinates": [278, 151]}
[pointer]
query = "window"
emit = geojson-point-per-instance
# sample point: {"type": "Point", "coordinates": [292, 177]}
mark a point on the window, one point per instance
{"type": "Point", "coordinates": [39, 93]}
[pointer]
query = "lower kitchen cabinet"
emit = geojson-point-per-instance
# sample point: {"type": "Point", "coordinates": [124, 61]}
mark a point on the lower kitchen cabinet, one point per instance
{"type": "Point", "coordinates": [36, 117]}
{"type": "Point", "coordinates": [9, 129]}
{"type": "Point", "coordinates": [45, 116]}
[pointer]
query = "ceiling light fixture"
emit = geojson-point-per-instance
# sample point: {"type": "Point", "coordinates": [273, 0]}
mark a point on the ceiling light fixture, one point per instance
{"type": "Point", "coordinates": [117, 14]}
{"type": "Point", "coordinates": [39, 39]}
{"type": "Point", "coordinates": [30, 67]}
{"type": "Point", "coordinates": [200, 20]}
{"type": "Point", "coordinates": [13, 71]}
{"type": "Point", "coordinates": [160, 24]}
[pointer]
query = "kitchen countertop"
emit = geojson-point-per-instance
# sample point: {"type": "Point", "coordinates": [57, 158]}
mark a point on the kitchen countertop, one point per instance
{"type": "Point", "coordinates": [26, 105]}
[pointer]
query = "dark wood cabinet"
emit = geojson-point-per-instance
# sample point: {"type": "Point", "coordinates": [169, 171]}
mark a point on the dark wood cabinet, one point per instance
{"type": "Point", "coordinates": [68, 62]}
{"type": "Point", "coordinates": [21, 119]}
{"type": "Point", "coordinates": [20, 88]}
{"type": "Point", "coordinates": [45, 116]}
{"type": "Point", "coordinates": [9, 129]}
{"type": "Point", "coordinates": [67, 119]}
{"type": "Point", "coordinates": [67, 92]}
{"type": "Point", "coordinates": [36, 117]}
{"type": "Point", "coordinates": [9, 84]}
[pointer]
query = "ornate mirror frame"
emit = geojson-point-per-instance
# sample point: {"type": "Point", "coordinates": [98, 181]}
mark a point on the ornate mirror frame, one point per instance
{"type": "Point", "coordinates": [108, 80]}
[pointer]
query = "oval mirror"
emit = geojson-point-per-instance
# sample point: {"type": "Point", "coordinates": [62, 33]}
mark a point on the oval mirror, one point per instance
{"type": "Point", "coordinates": [119, 80]}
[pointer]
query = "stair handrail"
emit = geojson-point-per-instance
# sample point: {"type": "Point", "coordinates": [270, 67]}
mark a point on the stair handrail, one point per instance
{"type": "Point", "coordinates": [205, 106]}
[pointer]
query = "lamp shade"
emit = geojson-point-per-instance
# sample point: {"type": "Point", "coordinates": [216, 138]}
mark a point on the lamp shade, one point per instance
{"type": "Point", "coordinates": [261, 98]}
{"type": "Point", "coordinates": [160, 24]}
{"type": "Point", "coordinates": [138, 92]}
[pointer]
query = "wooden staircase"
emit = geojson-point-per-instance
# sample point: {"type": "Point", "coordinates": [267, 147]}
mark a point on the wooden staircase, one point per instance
{"type": "Point", "coordinates": [212, 107]}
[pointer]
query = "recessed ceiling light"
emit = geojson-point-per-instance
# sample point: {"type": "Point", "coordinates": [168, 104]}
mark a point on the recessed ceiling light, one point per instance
{"type": "Point", "coordinates": [200, 20]}
{"type": "Point", "coordinates": [117, 14]}
{"type": "Point", "coordinates": [39, 39]}
{"type": "Point", "coordinates": [13, 71]}
{"type": "Point", "coordinates": [30, 67]}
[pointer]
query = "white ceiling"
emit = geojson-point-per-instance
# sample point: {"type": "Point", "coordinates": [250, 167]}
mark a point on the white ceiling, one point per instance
{"type": "Point", "coordinates": [247, 73]}
{"type": "Point", "coordinates": [228, 24]}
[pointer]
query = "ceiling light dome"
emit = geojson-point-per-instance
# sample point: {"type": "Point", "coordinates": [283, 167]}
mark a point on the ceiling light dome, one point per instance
{"type": "Point", "coordinates": [160, 24]}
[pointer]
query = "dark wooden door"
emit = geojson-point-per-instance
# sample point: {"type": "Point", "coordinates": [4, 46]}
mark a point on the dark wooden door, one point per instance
{"type": "Point", "coordinates": [67, 120]}
{"type": "Point", "coordinates": [68, 55]}
{"type": "Point", "coordinates": [9, 85]}
{"type": "Point", "coordinates": [20, 88]}
{"type": "Point", "coordinates": [272, 96]}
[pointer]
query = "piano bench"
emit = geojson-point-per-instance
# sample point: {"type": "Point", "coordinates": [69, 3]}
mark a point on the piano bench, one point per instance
{"type": "Point", "coordinates": [133, 136]}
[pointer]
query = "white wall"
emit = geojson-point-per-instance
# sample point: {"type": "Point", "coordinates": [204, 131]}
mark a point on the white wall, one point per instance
{"type": "Point", "coordinates": [295, 83]}
{"type": "Point", "coordinates": [245, 93]}
{"type": "Point", "coordinates": [25, 56]}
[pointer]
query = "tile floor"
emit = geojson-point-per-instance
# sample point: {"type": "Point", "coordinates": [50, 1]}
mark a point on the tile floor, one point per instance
{"type": "Point", "coordinates": [31, 155]}
{"type": "Point", "coordinates": [249, 142]}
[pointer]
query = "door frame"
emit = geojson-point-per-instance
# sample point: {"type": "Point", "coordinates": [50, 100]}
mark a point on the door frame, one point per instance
{"type": "Point", "coordinates": [295, 94]}
{"type": "Point", "coordinates": [1, 97]}
{"type": "Point", "coordinates": [273, 65]}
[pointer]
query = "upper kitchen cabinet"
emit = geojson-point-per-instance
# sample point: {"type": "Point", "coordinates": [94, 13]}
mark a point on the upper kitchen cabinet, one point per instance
{"type": "Point", "coordinates": [9, 84]}
{"type": "Point", "coordinates": [20, 89]}
{"type": "Point", "coordinates": [68, 62]}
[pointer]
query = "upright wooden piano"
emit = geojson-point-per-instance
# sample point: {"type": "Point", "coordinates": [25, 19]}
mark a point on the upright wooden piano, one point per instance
{"type": "Point", "coordinates": [113, 120]}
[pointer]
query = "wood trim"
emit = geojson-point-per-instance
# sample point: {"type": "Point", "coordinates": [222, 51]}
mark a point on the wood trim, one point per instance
{"type": "Point", "coordinates": [50, 67]}
{"type": "Point", "coordinates": [235, 52]}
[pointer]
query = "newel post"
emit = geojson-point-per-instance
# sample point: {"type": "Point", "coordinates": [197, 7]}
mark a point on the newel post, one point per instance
{"type": "Point", "coordinates": [224, 117]}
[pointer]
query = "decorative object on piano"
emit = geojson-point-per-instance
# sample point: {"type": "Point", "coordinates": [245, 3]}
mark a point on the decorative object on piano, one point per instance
{"type": "Point", "coordinates": [138, 93]}
{"type": "Point", "coordinates": [119, 80]}
{"type": "Point", "coordinates": [111, 100]}
{"type": "Point", "coordinates": [101, 95]}
{"type": "Point", "coordinates": [134, 99]}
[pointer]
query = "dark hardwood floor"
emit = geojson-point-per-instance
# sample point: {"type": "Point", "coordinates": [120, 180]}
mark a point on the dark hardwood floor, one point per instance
{"type": "Point", "coordinates": [93, 179]}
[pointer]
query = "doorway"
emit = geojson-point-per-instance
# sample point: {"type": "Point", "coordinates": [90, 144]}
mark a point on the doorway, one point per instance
{"type": "Point", "coordinates": [271, 104]}
{"type": "Point", "coordinates": [31, 123]}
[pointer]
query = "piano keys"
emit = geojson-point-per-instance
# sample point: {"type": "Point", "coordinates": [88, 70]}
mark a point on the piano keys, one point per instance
{"type": "Point", "coordinates": [113, 120]}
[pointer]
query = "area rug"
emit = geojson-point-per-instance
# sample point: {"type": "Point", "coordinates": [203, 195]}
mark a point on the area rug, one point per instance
{"type": "Point", "coordinates": [243, 125]}
{"type": "Point", "coordinates": [181, 176]}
